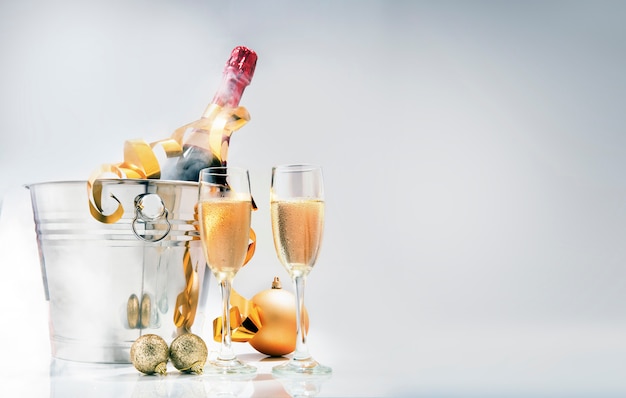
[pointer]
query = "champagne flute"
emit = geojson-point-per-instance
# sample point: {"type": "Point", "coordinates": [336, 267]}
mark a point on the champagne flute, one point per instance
{"type": "Point", "coordinates": [224, 207]}
{"type": "Point", "coordinates": [297, 212]}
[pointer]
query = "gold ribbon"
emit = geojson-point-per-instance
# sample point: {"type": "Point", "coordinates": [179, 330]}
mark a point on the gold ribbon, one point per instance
{"type": "Point", "coordinates": [187, 300]}
{"type": "Point", "coordinates": [212, 131]}
{"type": "Point", "coordinates": [245, 319]}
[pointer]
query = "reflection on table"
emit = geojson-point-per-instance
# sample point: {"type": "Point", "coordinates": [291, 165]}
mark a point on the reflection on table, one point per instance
{"type": "Point", "coordinates": [69, 378]}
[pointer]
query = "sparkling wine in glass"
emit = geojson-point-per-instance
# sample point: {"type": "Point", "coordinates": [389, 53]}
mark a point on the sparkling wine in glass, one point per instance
{"type": "Point", "coordinates": [224, 208]}
{"type": "Point", "coordinates": [297, 212]}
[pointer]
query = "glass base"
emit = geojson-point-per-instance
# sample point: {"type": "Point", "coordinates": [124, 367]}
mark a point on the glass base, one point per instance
{"type": "Point", "coordinates": [228, 366]}
{"type": "Point", "coordinates": [308, 366]}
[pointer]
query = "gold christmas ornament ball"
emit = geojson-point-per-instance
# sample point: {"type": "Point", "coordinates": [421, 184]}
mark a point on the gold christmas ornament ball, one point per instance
{"type": "Point", "coordinates": [277, 335]}
{"type": "Point", "coordinates": [149, 354]}
{"type": "Point", "coordinates": [188, 353]}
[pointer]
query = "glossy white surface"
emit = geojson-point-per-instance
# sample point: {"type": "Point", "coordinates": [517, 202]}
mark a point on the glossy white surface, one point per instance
{"type": "Point", "coordinates": [521, 359]}
{"type": "Point", "coordinates": [473, 154]}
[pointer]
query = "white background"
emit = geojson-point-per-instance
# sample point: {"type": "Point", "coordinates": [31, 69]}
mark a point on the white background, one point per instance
{"type": "Point", "coordinates": [474, 155]}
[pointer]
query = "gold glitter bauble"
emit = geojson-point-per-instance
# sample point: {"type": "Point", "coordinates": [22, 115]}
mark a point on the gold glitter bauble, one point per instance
{"type": "Point", "coordinates": [188, 353]}
{"type": "Point", "coordinates": [149, 354]}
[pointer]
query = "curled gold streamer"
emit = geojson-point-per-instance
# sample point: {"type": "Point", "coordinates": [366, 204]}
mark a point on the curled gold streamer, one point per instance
{"type": "Point", "coordinates": [187, 300]}
{"type": "Point", "coordinates": [139, 157]}
{"type": "Point", "coordinates": [219, 123]}
{"type": "Point", "coordinates": [171, 147]}
{"type": "Point", "coordinates": [242, 311]}
{"type": "Point", "coordinates": [239, 333]}
{"type": "Point", "coordinates": [251, 247]}
{"type": "Point", "coordinates": [245, 319]}
{"type": "Point", "coordinates": [94, 189]}
{"type": "Point", "coordinates": [140, 162]}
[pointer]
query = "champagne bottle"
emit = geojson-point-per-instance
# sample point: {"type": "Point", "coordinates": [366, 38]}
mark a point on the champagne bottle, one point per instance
{"type": "Point", "coordinates": [197, 155]}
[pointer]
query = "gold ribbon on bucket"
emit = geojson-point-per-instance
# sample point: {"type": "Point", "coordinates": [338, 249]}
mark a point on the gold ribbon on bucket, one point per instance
{"type": "Point", "coordinates": [187, 300]}
{"type": "Point", "coordinates": [140, 162]}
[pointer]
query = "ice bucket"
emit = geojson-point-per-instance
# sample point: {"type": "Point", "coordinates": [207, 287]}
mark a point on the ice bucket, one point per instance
{"type": "Point", "coordinates": [109, 283]}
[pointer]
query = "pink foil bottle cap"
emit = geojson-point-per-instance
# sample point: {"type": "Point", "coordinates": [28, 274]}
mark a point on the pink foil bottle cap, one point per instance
{"type": "Point", "coordinates": [242, 61]}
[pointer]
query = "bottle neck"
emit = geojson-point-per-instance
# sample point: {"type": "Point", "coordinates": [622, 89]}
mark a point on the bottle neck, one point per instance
{"type": "Point", "coordinates": [227, 96]}
{"type": "Point", "coordinates": [230, 90]}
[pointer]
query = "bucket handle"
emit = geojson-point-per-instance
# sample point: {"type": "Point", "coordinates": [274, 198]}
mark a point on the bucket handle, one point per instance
{"type": "Point", "coordinates": [149, 207]}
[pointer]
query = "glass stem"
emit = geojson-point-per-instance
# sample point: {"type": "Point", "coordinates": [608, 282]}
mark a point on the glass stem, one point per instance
{"type": "Point", "coordinates": [302, 352]}
{"type": "Point", "coordinates": [226, 350]}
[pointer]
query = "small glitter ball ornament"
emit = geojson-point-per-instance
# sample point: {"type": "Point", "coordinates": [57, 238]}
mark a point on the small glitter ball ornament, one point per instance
{"type": "Point", "coordinates": [188, 353]}
{"type": "Point", "coordinates": [149, 354]}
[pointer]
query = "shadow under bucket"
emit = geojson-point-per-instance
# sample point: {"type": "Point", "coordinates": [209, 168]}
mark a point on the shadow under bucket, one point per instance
{"type": "Point", "coordinates": [109, 283]}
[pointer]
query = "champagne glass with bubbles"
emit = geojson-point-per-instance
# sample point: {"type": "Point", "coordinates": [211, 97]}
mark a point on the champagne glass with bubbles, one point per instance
{"type": "Point", "coordinates": [297, 212]}
{"type": "Point", "coordinates": [224, 208]}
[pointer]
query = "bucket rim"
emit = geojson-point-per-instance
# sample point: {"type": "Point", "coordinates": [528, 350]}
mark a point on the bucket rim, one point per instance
{"type": "Point", "coordinates": [132, 181]}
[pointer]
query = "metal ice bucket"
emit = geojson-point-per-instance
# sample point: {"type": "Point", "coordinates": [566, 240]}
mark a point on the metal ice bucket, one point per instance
{"type": "Point", "coordinates": [107, 284]}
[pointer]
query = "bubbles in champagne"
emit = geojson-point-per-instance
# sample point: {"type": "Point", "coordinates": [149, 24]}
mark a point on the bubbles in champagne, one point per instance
{"type": "Point", "coordinates": [297, 227]}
